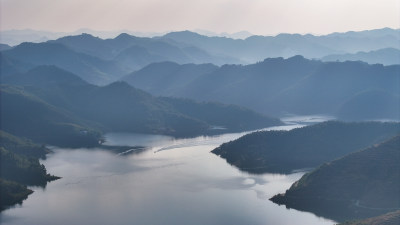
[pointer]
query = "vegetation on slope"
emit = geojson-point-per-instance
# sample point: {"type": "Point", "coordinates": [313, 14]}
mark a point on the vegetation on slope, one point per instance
{"type": "Point", "coordinates": [61, 103]}
{"type": "Point", "coordinates": [285, 151]}
{"type": "Point", "coordinates": [19, 167]}
{"type": "Point", "coordinates": [359, 185]}
{"type": "Point", "coordinates": [392, 218]}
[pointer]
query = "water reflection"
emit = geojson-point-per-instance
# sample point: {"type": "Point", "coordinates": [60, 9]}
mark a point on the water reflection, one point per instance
{"type": "Point", "coordinates": [175, 181]}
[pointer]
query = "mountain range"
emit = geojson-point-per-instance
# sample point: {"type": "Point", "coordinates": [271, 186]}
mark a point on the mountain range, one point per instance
{"type": "Point", "coordinates": [190, 65]}
{"type": "Point", "coordinates": [126, 53]}
{"type": "Point", "coordinates": [50, 105]}
{"type": "Point", "coordinates": [277, 86]}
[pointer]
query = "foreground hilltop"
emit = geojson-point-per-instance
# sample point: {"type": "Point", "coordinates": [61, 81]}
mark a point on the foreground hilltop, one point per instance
{"type": "Point", "coordinates": [307, 147]}
{"type": "Point", "coordinates": [359, 185]}
{"type": "Point", "coordinates": [392, 218]}
{"type": "Point", "coordinates": [20, 166]}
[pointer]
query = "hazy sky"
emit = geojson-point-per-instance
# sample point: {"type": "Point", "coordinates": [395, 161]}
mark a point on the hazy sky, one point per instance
{"type": "Point", "coordinates": [255, 16]}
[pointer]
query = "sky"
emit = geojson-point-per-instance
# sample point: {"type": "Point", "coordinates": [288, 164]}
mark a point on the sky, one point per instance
{"type": "Point", "coordinates": [263, 17]}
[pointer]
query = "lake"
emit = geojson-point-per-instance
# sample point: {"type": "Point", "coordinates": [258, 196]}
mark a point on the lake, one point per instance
{"type": "Point", "coordinates": [174, 181]}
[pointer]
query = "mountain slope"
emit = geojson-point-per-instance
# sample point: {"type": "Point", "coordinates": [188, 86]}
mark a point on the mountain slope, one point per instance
{"type": "Point", "coordinates": [90, 68]}
{"type": "Point", "coordinates": [332, 84]}
{"type": "Point", "coordinates": [44, 76]}
{"type": "Point", "coordinates": [121, 107]}
{"type": "Point", "coordinates": [372, 104]}
{"type": "Point", "coordinates": [275, 86]}
{"type": "Point", "coordinates": [231, 118]}
{"type": "Point", "coordinates": [165, 78]}
{"type": "Point", "coordinates": [358, 185]}
{"type": "Point", "coordinates": [26, 115]}
{"type": "Point", "coordinates": [285, 151]}
{"type": "Point", "coordinates": [20, 166]}
{"type": "Point", "coordinates": [392, 218]}
{"type": "Point", "coordinates": [9, 66]}
{"type": "Point", "coordinates": [4, 47]}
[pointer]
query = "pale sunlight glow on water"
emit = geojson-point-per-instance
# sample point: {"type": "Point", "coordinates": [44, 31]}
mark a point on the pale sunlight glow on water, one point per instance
{"type": "Point", "coordinates": [175, 181]}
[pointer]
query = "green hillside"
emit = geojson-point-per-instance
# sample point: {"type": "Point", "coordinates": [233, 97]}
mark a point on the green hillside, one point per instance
{"type": "Point", "coordinates": [359, 185]}
{"type": "Point", "coordinates": [307, 147]}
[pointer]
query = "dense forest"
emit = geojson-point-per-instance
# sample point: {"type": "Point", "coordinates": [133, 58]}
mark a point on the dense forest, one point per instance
{"type": "Point", "coordinates": [392, 218]}
{"type": "Point", "coordinates": [362, 184]}
{"type": "Point", "coordinates": [20, 166]}
{"type": "Point", "coordinates": [307, 147]}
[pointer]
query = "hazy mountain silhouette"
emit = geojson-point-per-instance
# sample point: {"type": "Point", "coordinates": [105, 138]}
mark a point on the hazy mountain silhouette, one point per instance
{"type": "Point", "coordinates": [102, 61]}
{"type": "Point", "coordinates": [256, 48]}
{"type": "Point", "coordinates": [25, 115]}
{"type": "Point", "coordinates": [44, 76]}
{"type": "Point", "coordinates": [126, 50]}
{"type": "Point", "coordinates": [386, 56]}
{"type": "Point", "coordinates": [61, 95]}
{"type": "Point", "coordinates": [4, 47]}
{"type": "Point", "coordinates": [359, 185]}
{"type": "Point", "coordinates": [370, 105]}
{"type": "Point", "coordinates": [10, 66]}
{"type": "Point", "coordinates": [332, 84]}
{"type": "Point", "coordinates": [165, 78]}
{"type": "Point", "coordinates": [90, 68]}
{"type": "Point", "coordinates": [198, 48]}
{"type": "Point", "coordinates": [274, 86]}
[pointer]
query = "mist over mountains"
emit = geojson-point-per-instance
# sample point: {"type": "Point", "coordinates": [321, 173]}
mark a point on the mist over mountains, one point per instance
{"type": "Point", "coordinates": [295, 85]}
{"type": "Point", "coordinates": [230, 50]}
{"type": "Point", "coordinates": [68, 90]}
{"type": "Point", "coordinates": [190, 65]}
{"type": "Point", "coordinates": [65, 110]}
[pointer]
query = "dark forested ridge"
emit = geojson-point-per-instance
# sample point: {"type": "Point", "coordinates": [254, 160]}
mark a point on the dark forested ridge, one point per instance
{"type": "Point", "coordinates": [54, 106]}
{"type": "Point", "coordinates": [392, 218]}
{"type": "Point", "coordinates": [359, 185]}
{"type": "Point", "coordinates": [24, 114]}
{"type": "Point", "coordinates": [285, 151]}
{"type": "Point", "coordinates": [19, 167]}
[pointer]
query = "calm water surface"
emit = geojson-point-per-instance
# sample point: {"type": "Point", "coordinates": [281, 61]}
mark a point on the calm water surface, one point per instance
{"type": "Point", "coordinates": [175, 181]}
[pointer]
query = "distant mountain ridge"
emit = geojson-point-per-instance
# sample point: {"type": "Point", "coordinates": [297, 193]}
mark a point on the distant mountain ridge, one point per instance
{"type": "Point", "coordinates": [256, 48]}
{"type": "Point", "coordinates": [110, 58]}
{"type": "Point", "coordinates": [385, 56]}
{"type": "Point", "coordinates": [294, 85]}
